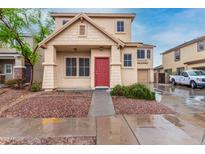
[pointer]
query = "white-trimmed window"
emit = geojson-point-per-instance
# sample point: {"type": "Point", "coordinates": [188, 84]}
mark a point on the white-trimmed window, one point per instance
{"type": "Point", "coordinates": [148, 53]}
{"type": "Point", "coordinates": [82, 30]}
{"type": "Point", "coordinates": [177, 55]}
{"type": "Point", "coordinates": [140, 54]}
{"type": "Point", "coordinates": [201, 46]}
{"type": "Point", "coordinates": [71, 66]}
{"type": "Point", "coordinates": [127, 60]}
{"type": "Point", "coordinates": [120, 26]}
{"type": "Point", "coordinates": [84, 66]}
{"type": "Point", "coordinates": [8, 68]}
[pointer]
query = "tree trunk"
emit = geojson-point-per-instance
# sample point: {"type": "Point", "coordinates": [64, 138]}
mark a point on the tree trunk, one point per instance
{"type": "Point", "coordinates": [31, 78]}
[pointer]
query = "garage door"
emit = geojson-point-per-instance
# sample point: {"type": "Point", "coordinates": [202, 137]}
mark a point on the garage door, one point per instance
{"type": "Point", "coordinates": [143, 76]}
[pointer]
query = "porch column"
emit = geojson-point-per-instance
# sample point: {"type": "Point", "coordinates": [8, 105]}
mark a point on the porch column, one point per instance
{"type": "Point", "coordinates": [19, 68]}
{"type": "Point", "coordinates": [115, 67]}
{"type": "Point", "coordinates": [49, 73]}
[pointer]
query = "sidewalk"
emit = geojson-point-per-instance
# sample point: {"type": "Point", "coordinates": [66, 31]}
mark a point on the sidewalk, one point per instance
{"type": "Point", "coordinates": [116, 130]}
{"type": "Point", "coordinates": [101, 104]}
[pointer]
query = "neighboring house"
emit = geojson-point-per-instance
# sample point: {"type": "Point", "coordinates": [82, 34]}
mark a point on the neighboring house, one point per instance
{"type": "Point", "coordinates": [189, 55]}
{"type": "Point", "coordinates": [13, 65]}
{"type": "Point", "coordinates": [89, 50]}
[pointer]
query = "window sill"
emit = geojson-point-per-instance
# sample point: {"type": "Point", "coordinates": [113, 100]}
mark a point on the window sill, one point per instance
{"type": "Point", "coordinates": [120, 32]}
{"type": "Point", "coordinates": [77, 77]}
{"type": "Point", "coordinates": [124, 67]}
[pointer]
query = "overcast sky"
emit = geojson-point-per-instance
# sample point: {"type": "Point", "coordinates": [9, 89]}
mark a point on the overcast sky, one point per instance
{"type": "Point", "coordinates": [164, 28]}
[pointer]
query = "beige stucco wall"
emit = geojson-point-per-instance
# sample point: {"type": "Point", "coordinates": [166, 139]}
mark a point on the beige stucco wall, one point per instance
{"type": "Point", "coordinates": [188, 53]}
{"type": "Point", "coordinates": [129, 74]}
{"type": "Point", "coordinates": [109, 24]}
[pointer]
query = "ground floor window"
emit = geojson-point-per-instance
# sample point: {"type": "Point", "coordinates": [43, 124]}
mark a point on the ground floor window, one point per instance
{"type": "Point", "coordinates": [127, 60]}
{"type": "Point", "coordinates": [8, 68]}
{"type": "Point", "coordinates": [71, 67]}
{"type": "Point", "coordinates": [77, 66]}
{"type": "Point", "coordinates": [84, 66]}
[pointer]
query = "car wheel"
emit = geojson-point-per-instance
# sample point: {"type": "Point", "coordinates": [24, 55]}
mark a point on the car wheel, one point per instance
{"type": "Point", "coordinates": [193, 84]}
{"type": "Point", "coordinates": [173, 82]}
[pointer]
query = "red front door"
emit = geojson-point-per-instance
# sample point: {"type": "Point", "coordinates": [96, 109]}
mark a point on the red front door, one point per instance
{"type": "Point", "coordinates": [102, 71]}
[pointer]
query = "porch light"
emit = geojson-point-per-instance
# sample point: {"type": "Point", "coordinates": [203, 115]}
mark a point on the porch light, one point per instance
{"type": "Point", "coordinates": [101, 48]}
{"type": "Point", "coordinates": [74, 49]}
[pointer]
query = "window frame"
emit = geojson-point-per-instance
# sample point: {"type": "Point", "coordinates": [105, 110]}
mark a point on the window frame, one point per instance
{"type": "Point", "coordinates": [139, 58]}
{"type": "Point", "coordinates": [148, 54]}
{"type": "Point", "coordinates": [77, 67]}
{"type": "Point", "coordinates": [175, 52]}
{"type": "Point", "coordinates": [66, 67]}
{"type": "Point", "coordinates": [131, 60]}
{"type": "Point", "coordinates": [83, 67]}
{"type": "Point", "coordinates": [5, 69]}
{"type": "Point", "coordinates": [85, 34]}
{"type": "Point", "coordinates": [198, 44]}
{"type": "Point", "coordinates": [119, 20]}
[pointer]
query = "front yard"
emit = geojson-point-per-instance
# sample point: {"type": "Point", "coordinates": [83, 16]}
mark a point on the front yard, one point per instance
{"type": "Point", "coordinates": [49, 104]}
{"type": "Point", "coordinates": [125, 105]}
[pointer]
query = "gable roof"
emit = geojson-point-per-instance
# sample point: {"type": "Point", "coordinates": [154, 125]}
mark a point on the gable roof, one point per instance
{"type": "Point", "coordinates": [185, 44]}
{"type": "Point", "coordinates": [74, 19]}
{"type": "Point", "coordinates": [97, 15]}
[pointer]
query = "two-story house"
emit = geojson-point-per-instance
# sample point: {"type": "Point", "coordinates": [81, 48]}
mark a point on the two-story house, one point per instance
{"type": "Point", "coordinates": [91, 50]}
{"type": "Point", "coordinates": [189, 55]}
{"type": "Point", "coordinates": [14, 66]}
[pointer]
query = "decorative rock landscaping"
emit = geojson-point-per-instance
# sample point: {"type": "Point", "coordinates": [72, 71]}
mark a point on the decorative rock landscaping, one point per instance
{"type": "Point", "coordinates": [125, 105]}
{"type": "Point", "coordinates": [52, 104]}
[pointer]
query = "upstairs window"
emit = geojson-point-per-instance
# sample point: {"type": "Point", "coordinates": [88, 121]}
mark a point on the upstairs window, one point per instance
{"type": "Point", "coordinates": [71, 66]}
{"type": "Point", "coordinates": [148, 54]}
{"type": "Point", "coordinates": [82, 31]}
{"type": "Point", "coordinates": [65, 21]}
{"type": "Point", "coordinates": [127, 60]}
{"type": "Point", "coordinates": [84, 66]}
{"type": "Point", "coordinates": [177, 55]}
{"type": "Point", "coordinates": [200, 46]}
{"type": "Point", "coordinates": [140, 54]}
{"type": "Point", "coordinates": [120, 26]}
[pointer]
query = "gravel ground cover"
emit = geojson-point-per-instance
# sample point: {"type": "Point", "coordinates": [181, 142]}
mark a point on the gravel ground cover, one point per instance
{"type": "Point", "coordinates": [52, 104]}
{"type": "Point", "coordinates": [125, 105]}
{"type": "Point", "coordinates": [7, 96]}
{"type": "Point", "coordinates": [87, 140]}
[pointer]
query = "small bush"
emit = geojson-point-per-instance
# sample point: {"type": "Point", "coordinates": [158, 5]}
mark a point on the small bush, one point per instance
{"type": "Point", "coordinates": [136, 91]}
{"type": "Point", "coordinates": [36, 86]}
{"type": "Point", "coordinates": [15, 83]}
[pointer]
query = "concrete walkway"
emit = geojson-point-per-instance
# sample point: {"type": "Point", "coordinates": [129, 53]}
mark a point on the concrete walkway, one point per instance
{"type": "Point", "coordinates": [101, 104]}
{"type": "Point", "coordinates": [115, 130]}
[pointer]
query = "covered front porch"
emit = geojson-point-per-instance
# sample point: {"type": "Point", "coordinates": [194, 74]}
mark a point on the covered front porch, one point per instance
{"type": "Point", "coordinates": [81, 67]}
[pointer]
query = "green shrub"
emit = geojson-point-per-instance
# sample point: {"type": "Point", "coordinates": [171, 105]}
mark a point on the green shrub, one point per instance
{"type": "Point", "coordinates": [136, 91]}
{"type": "Point", "coordinates": [117, 91]}
{"type": "Point", "coordinates": [15, 83]}
{"type": "Point", "coordinates": [36, 86]}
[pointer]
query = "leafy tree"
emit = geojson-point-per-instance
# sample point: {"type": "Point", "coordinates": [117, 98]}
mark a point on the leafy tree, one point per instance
{"type": "Point", "coordinates": [14, 23]}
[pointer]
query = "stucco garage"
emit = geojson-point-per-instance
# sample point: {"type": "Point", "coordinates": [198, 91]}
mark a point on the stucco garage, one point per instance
{"type": "Point", "coordinates": [143, 76]}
